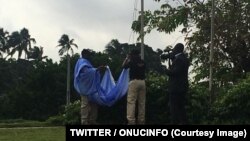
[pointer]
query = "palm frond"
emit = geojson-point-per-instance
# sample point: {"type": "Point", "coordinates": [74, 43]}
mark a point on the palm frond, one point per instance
{"type": "Point", "coordinates": [66, 44]}
{"type": "Point", "coordinates": [72, 51]}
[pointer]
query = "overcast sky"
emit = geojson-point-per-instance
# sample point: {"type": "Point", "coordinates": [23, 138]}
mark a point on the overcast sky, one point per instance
{"type": "Point", "coordinates": [92, 23]}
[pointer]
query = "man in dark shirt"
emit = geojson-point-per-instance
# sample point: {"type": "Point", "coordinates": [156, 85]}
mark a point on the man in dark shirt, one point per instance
{"type": "Point", "coordinates": [89, 109]}
{"type": "Point", "coordinates": [178, 84]}
{"type": "Point", "coordinates": [137, 87]}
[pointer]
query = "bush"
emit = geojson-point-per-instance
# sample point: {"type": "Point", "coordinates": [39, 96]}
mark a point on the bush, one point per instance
{"type": "Point", "coordinates": [198, 104]}
{"type": "Point", "coordinates": [233, 106]}
{"type": "Point", "coordinates": [56, 120]}
{"type": "Point", "coordinates": [70, 115]}
{"type": "Point", "coordinates": [157, 110]}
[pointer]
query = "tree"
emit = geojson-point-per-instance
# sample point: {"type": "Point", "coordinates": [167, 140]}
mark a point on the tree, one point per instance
{"type": "Point", "coordinates": [232, 38]}
{"type": "Point", "coordinates": [3, 41]}
{"type": "Point", "coordinates": [20, 42]}
{"type": "Point", "coordinates": [117, 52]}
{"type": "Point", "coordinates": [66, 45]}
{"type": "Point", "coordinates": [36, 53]}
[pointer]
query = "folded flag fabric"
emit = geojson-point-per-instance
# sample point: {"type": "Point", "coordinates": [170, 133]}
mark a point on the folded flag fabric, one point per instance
{"type": "Point", "coordinates": [88, 82]}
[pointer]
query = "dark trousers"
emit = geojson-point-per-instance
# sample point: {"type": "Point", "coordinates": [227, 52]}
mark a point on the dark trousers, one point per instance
{"type": "Point", "coordinates": [177, 102]}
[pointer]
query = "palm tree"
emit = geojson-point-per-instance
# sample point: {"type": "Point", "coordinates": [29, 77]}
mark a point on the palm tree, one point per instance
{"type": "Point", "coordinates": [3, 41]}
{"type": "Point", "coordinates": [114, 48]}
{"type": "Point", "coordinates": [66, 45]}
{"type": "Point", "coordinates": [20, 41]}
{"type": "Point", "coordinates": [26, 40]}
{"type": "Point", "coordinates": [36, 53]}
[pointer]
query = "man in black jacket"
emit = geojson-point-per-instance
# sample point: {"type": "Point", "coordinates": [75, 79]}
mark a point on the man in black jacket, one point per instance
{"type": "Point", "coordinates": [137, 87]}
{"type": "Point", "coordinates": [178, 84]}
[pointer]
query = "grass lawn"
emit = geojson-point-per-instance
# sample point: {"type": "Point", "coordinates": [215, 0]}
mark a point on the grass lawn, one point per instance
{"type": "Point", "coordinates": [33, 134]}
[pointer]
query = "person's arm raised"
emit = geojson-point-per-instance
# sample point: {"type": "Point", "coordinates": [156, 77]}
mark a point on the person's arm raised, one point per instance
{"type": "Point", "coordinates": [125, 63]}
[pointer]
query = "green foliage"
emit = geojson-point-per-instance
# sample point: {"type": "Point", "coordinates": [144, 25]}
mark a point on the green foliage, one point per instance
{"type": "Point", "coordinates": [233, 106]}
{"type": "Point", "coordinates": [198, 104]}
{"type": "Point", "coordinates": [20, 42]}
{"type": "Point", "coordinates": [231, 42]}
{"type": "Point", "coordinates": [72, 113]}
{"type": "Point", "coordinates": [3, 42]}
{"type": "Point", "coordinates": [231, 51]}
{"type": "Point", "coordinates": [66, 44]}
{"type": "Point", "coordinates": [36, 53]}
{"type": "Point", "coordinates": [167, 19]}
{"type": "Point", "coordinates": [157, 109]}
{"type": "Point", "coordinates": [57, 120]}
{"type": "Point", "coordinates": [31, 89]}
{"type": "Point", "coordinates": [69, 116]}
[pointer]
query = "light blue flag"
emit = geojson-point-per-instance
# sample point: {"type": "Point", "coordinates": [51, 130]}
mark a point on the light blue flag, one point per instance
{"type": "Point", "coordinates": [87, 82]}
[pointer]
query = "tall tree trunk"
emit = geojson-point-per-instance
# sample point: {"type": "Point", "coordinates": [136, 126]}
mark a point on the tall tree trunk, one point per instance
{"type": "Point", "coordinates": [68, 80]}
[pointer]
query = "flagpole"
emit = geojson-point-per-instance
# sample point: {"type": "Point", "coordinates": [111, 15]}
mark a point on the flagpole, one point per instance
{"type": "Point", "coordinates": [142, 29]}
{"type": "Point", "coordinates": [211, 54]}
